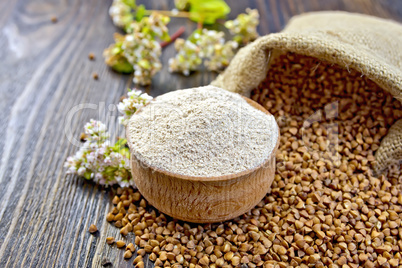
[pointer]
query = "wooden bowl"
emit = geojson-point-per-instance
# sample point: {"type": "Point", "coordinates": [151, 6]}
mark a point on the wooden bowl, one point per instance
{"type": "Point", "coordinates": [205, 199]}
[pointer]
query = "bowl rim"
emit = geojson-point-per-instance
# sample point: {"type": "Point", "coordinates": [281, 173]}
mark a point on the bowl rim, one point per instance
{"type": "Point", "coordinates": [226, 177]}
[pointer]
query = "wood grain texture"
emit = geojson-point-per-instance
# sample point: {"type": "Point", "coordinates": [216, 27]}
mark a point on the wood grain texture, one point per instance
{"type": "Point", "coordinates": [204, 199]}
{"type": "Point", "coordinates": [44, 75]}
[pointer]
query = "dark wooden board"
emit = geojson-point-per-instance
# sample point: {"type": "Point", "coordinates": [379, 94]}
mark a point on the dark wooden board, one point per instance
{"type": "Point", "coordinates": [44, 76]}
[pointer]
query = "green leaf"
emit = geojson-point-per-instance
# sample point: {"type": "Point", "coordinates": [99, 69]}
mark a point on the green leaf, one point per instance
{"type": "Point", "coordinates": [238, 39]}
{"type": "Point", "coordinates": [119, 145]}
{"type": "Point", "coordinates": [130, 3]}
{"type": "Point", "coordinates": [125, 152]}
{"type": "Point", "coordinates": [208, 11]}
{"type": "Point", "coordinates": [182, 4]}
{"type": "Point", "coordinates": [121, 65]}
{"type": "Point", "coordinates": [87, 175]}
{"type": "Point", "coordinates": [110, 170]}
{"type": "Point", "coordinates": [140, 12]}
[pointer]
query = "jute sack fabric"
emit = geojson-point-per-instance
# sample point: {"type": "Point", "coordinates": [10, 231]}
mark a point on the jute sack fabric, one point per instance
{"type": "Point", "coordinates": [367, 44]}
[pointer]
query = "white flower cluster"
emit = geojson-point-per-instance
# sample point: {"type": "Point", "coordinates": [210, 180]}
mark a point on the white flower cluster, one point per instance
{"type": "Point", "coordinates": [208, 45]}
{"type": "Point", "coordinates": [216, 52]}
{"type": "Point", "coordinates": [143, 54]}
{"type": "Point", "coordinates": [187, 58]}
{"type": "Point", "coordinates": [128, 106]}
{"type": "Point", "coordinates": [121, 13]}
{"type": "Point", "coordinates": [99, 161]}
{"type": "Point", "coordinates": [244, 27]}
{"type": "Point", "coordinates": [139, 49]}
{"type": "Point", "coordinates": [157, 24]}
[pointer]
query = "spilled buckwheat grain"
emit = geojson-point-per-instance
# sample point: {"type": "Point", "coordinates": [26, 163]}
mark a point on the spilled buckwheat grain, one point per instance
{"type": "Point", "coordinates": [325, 208]}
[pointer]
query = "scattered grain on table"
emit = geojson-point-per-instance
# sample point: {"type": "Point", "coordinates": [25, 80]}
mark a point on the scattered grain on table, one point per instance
{"type": "Point", "coordinates": [120, 244]}
{"type": "Point", "coordinates": [91, 56]}
{"type": "Point", "coordinates": [110, 240]}
{"type": "Point", "coordinates": [128, 254]}
{"type": "Point", "coordinates": [92, 228]}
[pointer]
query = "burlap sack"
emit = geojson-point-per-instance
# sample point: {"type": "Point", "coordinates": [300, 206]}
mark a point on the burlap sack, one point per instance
{"type": "Point", "coordinates": [370, 45]}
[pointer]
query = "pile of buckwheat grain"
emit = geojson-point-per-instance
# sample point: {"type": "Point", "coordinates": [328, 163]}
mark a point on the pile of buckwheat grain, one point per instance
{"type": "Point", "coordinates": [325, 208]}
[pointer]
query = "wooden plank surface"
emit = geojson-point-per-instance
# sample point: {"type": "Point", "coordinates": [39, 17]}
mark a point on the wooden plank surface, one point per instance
{"type": "Point", "coordinates": [45, 76]}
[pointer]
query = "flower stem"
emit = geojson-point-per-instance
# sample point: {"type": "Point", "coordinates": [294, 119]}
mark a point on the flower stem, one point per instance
{"type": "Point", "coordinates": [178, 14]}
{"type": "Point", "coordinates": [199, 25]}
{"type": "Point", "coordinates": [174, 36]}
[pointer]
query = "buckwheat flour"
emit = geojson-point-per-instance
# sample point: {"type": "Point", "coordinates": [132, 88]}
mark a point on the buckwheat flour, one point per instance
{"type": "Point", "coordinates": [204, 131]}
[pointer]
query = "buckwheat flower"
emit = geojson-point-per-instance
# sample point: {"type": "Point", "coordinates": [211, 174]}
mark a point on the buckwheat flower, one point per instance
{"type": "Point", "coordinates": [135, 52]}
{"type": "Point", "coordinates": [121, 13]}
{"type": "Point", "coordinates": [244, 27]}
{"type": "Point", "coordinates": [187, 58]}
{"type": "Point", "coordinates": [125, 184]}
{"type": "Point", "coordinates": [138, 51]}
{"type": "Point", "coordinates": [119, 179]}
{"type": "Point", "coordinates": [114, 56]}
{"type": "Point", "coordinates": [158, 25]}
{"type": "Point", "coordinates": [81, 171]}
{"type": "Point", "coordinates": [221, 56]}
{"type": "Point", "coordinates": [98, 176]}
{"type": "Point", "coordinates": [128, 106]}
{"type": "Point", "coordinates": [208, 40]}
{"type": "Point", "coordinates": [99, 161]}
{"type": "Point", "coordinates": [202, 45]}
{"type": "Point", "coordinates": [96, 131]}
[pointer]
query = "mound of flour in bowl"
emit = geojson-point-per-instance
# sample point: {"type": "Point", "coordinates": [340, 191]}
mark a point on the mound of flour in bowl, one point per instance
{"type": "Point", "coordinates": [205, 131]}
